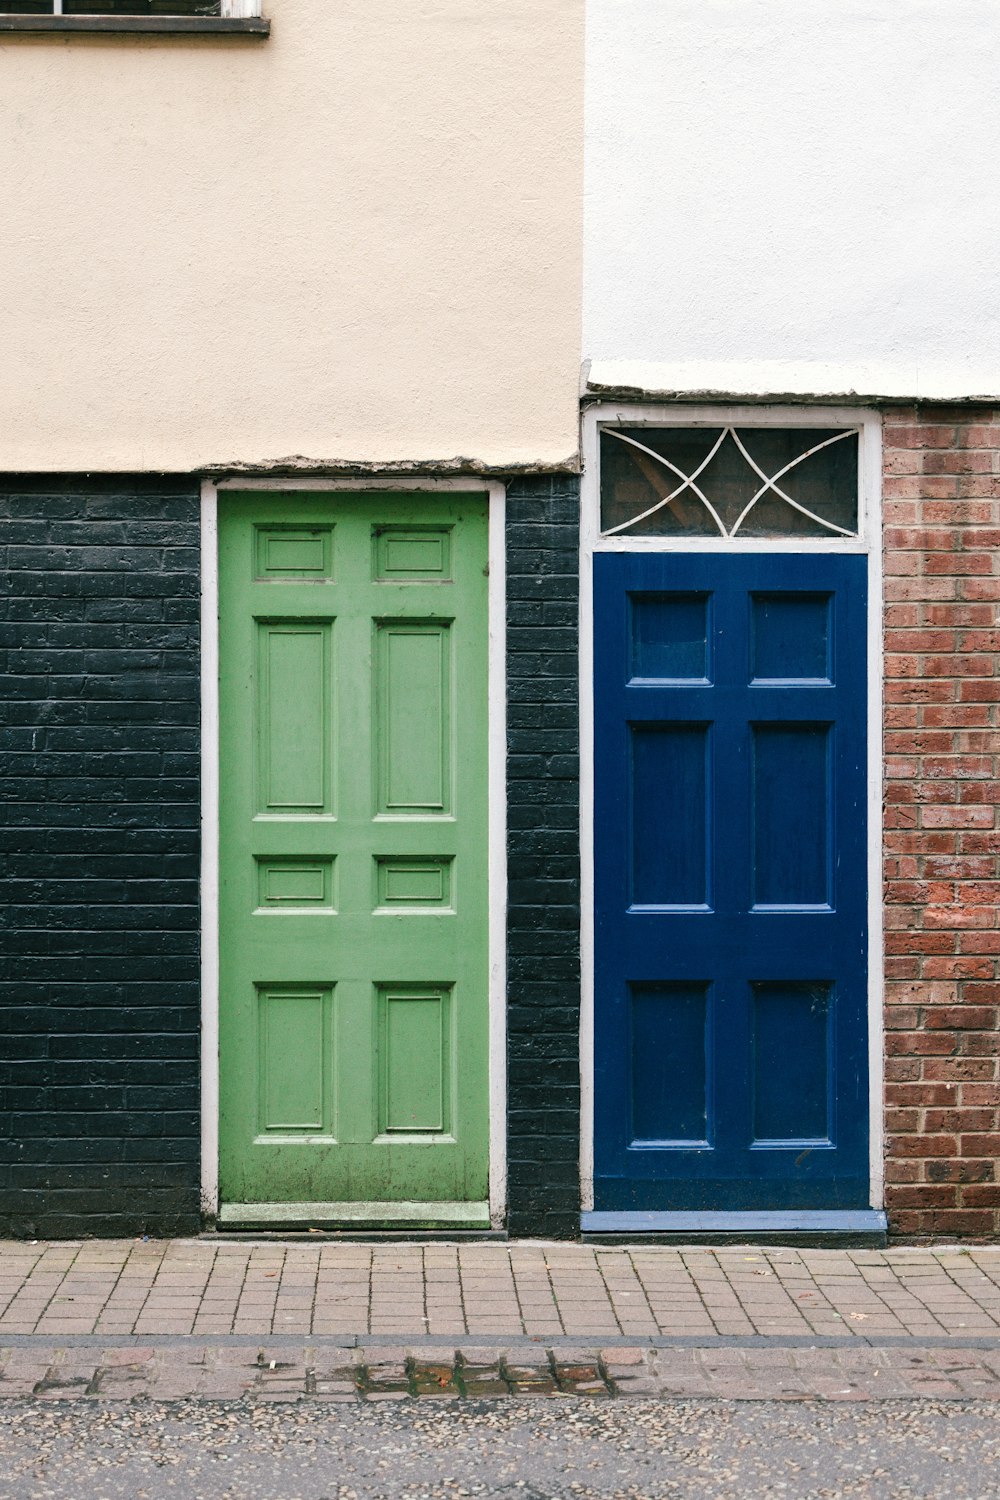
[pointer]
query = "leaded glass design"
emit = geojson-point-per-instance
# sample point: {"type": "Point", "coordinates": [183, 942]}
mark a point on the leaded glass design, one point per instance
{"type": "Point", "coordinates": [729, 482]}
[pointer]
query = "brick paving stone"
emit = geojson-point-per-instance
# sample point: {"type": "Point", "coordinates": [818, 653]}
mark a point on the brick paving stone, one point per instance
{"type": "Point", "coordinates": [385, 1378]}
{"type": "Point", "coordinates": [578, 1376]}
{"type": "Point", "coordinates": [483, 1384]}
{"type": "Point", "coordinates": [479, 1373]}
{"type": "Point", "coordinates": [53, 1326]}
{"type": "Point", "coordinates": [528, 1379]}
{"type": "Point", "coordinates": [21, 1370]}
{"type": "Point", "coordinates": [122, 1373]}
{"type": "Point", "coordinates": [434, 1379]}
{"type": "Point", "coordinates": [67, 1377]}
{"type": "Point", "coordinates": [629, 1371]}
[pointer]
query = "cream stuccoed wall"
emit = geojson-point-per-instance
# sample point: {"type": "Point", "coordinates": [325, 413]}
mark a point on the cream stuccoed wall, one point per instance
{"type": "Point", "coordinates": [356, 242]}
{"type": "Point", "coordinates": [793, 196]}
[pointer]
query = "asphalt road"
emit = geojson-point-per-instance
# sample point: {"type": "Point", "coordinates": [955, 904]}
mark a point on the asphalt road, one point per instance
{"type": "Point", "coordinates": [561, 1449]}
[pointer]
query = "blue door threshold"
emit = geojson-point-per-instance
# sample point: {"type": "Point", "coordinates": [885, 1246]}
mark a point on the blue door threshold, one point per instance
{"type": "Point", "coordinates": [854, 1226]}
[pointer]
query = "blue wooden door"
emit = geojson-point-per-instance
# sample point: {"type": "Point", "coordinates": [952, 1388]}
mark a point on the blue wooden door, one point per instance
{"type": "Point", "coordinates": [730, 882]}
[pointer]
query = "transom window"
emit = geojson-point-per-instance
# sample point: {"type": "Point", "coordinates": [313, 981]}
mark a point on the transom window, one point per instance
{"type": "Point", "coordinates": [726, 481]}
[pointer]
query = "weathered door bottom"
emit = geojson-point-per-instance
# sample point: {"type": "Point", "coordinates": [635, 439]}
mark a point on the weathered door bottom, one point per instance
{"type": "Point", "coordinates": [368, 1215]}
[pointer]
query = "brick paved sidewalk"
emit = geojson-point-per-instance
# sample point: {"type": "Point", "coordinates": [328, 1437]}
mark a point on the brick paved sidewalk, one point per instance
{"type": "Point", "coordinates": [337, 1321]}
{"type": "Point", "coordinates": [492, 1292]}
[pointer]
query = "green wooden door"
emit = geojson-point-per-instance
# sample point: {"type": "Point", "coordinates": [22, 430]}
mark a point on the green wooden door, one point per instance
{"type": "Point", "coordinates": [353, 849]}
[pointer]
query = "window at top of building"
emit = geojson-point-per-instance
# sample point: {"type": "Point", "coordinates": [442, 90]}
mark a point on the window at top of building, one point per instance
{"type": "Point", "coordinates": [134, 15]}
{"type": "Point", "coordinates": [729, 481]}
{"type": "Point", "coordinates": [110, 8]}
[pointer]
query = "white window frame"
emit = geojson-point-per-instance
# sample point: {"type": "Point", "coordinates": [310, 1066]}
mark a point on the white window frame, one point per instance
{"type": "Point", "coordinates": [868, 542]}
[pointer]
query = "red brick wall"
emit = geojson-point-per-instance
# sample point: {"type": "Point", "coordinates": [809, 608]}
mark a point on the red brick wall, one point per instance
{"type": "Point", "coordinates": [942, 836]}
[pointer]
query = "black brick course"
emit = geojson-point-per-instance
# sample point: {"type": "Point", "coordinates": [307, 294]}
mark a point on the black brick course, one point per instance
{"type": "Point", "coordinates": [543, 943]}
{"type": "Point", "coordinates": [99, 816]}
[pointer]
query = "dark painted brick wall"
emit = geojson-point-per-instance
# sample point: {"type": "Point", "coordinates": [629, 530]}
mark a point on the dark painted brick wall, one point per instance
{"type": "Point", "coordinates": [99, 856]}
{"type": "Point", "coordinates": [543, 944]}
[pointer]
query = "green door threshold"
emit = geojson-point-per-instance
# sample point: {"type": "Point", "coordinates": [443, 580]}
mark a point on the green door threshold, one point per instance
{"type": "Point", "coordinates": [354, 1216]}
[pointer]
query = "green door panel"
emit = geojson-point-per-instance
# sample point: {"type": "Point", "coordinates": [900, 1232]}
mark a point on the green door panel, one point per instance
{"type": "Point", "coordinates": [353, 1007]}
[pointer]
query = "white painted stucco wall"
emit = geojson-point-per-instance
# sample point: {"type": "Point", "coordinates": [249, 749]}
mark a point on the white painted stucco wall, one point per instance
{"type": "Point", "coordinates": [357, 241]}
{"type": "Point", "coordinates": [793, 196]}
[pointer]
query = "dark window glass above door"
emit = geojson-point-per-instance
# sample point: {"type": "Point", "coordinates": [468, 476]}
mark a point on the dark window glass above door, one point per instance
{"type": "Point", "coordinates": [729, 482]}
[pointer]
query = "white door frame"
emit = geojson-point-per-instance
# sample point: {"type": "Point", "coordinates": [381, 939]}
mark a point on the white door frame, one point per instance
{"type": "Point", "coordinates": [497, 797]}
{"type": "Point", "coordinates": [868, 541]}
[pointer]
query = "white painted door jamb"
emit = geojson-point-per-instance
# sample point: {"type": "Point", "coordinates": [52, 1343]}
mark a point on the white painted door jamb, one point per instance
{"type": "Point", "coordinates": [497, 812]}
{"type": "Point", "coordinates": [868, 541]}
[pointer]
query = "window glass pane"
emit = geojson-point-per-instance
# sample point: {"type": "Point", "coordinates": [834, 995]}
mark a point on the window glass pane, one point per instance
{"type": "Point", "coordinates": [139, 8]}
{"type": "Point", "coordinates": [825, 483]}
{"type": "Point", "coordinates": [634, 480]}
{"type": "Point", "coordinates": [727, 482]}
{"type": "Point", "coordinates": [112, 7]}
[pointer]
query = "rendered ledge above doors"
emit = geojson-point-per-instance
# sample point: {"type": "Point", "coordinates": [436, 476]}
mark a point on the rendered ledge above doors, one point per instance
{"type": "Point", "coordinates": [867, 1222]}
{"type": "Point", "coordinates": [357, 1215]}
{"type": "Point", "coordinates": [853, 383]}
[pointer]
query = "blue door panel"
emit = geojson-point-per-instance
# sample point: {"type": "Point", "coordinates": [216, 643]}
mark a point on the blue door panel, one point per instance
{"type": "Point", "coordinates": [730, 882]}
